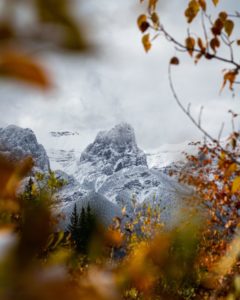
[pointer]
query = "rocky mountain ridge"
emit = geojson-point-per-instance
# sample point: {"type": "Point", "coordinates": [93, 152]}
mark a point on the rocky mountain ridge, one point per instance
{"type": "Point", "coordinates": [112, 169]}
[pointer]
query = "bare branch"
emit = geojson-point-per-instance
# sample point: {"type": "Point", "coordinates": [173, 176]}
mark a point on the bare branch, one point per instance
{"type": "Point", "coordinates": [199, 126]}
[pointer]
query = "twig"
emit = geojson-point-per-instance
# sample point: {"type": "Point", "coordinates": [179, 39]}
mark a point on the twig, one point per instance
{"type": "Point", "coordinates": [199, 126]}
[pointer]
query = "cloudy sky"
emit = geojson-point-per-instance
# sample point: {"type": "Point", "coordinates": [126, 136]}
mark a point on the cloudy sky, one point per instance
{"type": "Point", "coordinates": [122, 83]}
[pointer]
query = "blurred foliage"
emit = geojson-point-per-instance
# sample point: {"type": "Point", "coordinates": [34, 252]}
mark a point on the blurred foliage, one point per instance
{"type": "Point", "coordinates": [135, 258]}
{"type": "Point", "coordinates": [31, 26]}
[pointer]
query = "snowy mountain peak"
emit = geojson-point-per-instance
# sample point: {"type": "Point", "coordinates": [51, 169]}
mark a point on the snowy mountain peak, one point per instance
{"type": "Point", "coordinates": [120, 135]}
{"type": "Point", "coordinates": [17, 143]}
{"type": "Point", "coordinates": [115, 149]}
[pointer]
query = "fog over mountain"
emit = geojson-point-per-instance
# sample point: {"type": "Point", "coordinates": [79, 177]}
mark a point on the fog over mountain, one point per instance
{"type": "Point", "coordinates": [121, 83]}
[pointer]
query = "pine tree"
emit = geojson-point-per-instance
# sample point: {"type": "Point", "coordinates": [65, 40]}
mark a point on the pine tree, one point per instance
{"type": "Point", "coordinates": [73, 227]}
{"type": "Point", "coordinates": [28, 193]}
{"type": "Point", "coordinates": [82, 241]}
{"type": "Point", "coordinates": [82, 228]}
{"type": "Point", "coordinates": [91, 224]}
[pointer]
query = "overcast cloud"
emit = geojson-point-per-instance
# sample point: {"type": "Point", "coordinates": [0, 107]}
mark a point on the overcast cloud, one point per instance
{"type": "Point", "coordinates": [122, 84]}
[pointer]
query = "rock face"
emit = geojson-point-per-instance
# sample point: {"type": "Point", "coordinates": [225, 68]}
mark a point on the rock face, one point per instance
{"type": "Point", "coordinates": [114, 150]}
{"type": "Point", "coordinates": [17, 143]}
{"type": "Point", "coordinates": [116, 168]}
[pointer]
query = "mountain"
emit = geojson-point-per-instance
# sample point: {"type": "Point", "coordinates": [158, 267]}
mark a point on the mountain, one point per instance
{"type": "Point", "coordinates": [115, 167]}
{"type": "Point", "coordinates": [110, 173]}
{"type": "Point", "coordinates": [17, 143]}
{"type": "Point", "coordinates": [111, 151]}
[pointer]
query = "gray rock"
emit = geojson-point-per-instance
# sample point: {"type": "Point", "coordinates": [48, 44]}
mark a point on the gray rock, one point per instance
{"type": "Point", "coordinates": [17, 143]}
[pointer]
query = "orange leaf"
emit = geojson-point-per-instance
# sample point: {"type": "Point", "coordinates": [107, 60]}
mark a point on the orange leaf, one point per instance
{"type": "Point", "coordinates": [23, 67]}
{"type": "Point", "coordinates": [229, 77]}
{"type": "Point", "coordinates": [215, 43]}
{"type": "Point", "coordinates": [146, 42]}
{"type": "Point", "coordinates": [215, 2]}
{"type": "Point", "coordinates": [190, 44]}
{"type": "Point", "coordinates": [203, 4]}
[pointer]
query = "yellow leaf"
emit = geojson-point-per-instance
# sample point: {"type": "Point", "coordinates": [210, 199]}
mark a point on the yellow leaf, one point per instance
{"type": "Point", "coordinates": [231, 169]}
{"type": "Point", "coordinates": [155, 18]}
{"type": "Point", "coordinates": [146, 42]}
{"type": "Point", "coordinates": [236, 185]}
{"type": "Point", "coordinates": [228, 26]}
{"type": "Point", "coordinates": [215, 2]}
{"type": "Point", "coordinates": [192, 10]}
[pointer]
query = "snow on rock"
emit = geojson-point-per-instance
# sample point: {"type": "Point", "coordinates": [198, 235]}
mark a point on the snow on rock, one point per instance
{"type": "Point", "coordinates": [111, 152]}
{"type": "Point", "coordinates": [17, 143]}
{"type": "Point", "coordinates": [116, 168]}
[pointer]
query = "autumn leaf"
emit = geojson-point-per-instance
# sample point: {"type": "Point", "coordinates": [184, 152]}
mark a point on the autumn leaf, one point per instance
{"type": "Point", "coordinates": [190, 44]}
{"type": "Point", "coordinates": [152, 4]}
{"type": "Point", "coordinates": [200, 45]}
{"type": "Point", "coordinates": [155, 19]}
{"type": "Point", "coordinates": [217, 27]}
{"type": "Point", "coordinates": [228, 27]}
{"type": "Point", "coordinates": [203, 4]}
{"type": "Point", "coordinates": [232, 168]}
{"type": "Point", "coordinates": [142, 23]}
{"type": "Point", "coordinates": [215, 2]}
{"type": "Point", "coordinates": [215, 43]}
{"type": "Point", "coordinates": [198, 57]}
{"type": "Point", "coordinates": [146, 42]}
{"type": "Point", "coordinates": [25, 68]}
{"type": "Point", "coordinates": [236, 185]}
{"type": "Point", "coordinates": [174, 61]}
{"type": "Point", "coordinates": [192, 10]}
{"type": "Point", "coordinates": [230, 77]}
{"type": "Point", "coordinates": [223, 16]}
